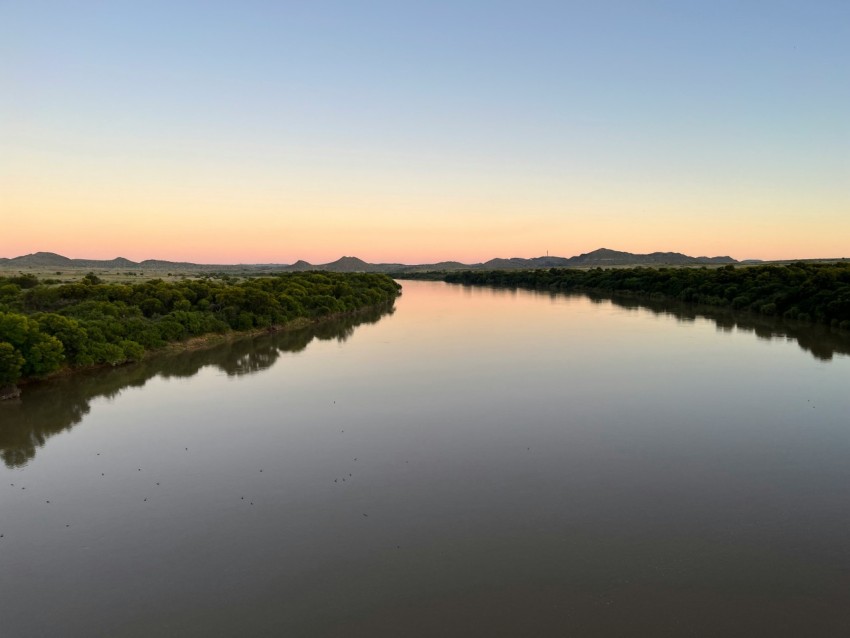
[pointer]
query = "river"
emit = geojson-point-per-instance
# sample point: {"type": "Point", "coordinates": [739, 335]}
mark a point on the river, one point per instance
{"type": "Point", "coordinates": [476, 462]}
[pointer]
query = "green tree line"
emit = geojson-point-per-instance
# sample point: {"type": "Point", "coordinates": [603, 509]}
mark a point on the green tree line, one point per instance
{"type": "Point", "coordinates": [802, 291]}
{"type": "Point", "coordinates": [56, 407]}
{"type": "Point", "coordinates": [45, 327]}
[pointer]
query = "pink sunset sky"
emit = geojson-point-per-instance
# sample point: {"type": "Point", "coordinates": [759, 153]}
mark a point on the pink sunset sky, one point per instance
{"type": "Point", "coordinates": [414, 134]}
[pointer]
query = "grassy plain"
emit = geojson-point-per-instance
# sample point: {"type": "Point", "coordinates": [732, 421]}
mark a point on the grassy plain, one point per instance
{"type": "Point", "coordinates": [112, 276]}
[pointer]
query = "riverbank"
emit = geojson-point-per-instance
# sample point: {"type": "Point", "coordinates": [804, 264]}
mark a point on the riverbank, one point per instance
{"type": "Point", "coordinates": [48, 330]}
{"type": "Point", "coordinates": [14, 391]}
{"type": "Point", "coordinates": [815, 293]}
{"type": "Point", "coordinates": [9, 392]}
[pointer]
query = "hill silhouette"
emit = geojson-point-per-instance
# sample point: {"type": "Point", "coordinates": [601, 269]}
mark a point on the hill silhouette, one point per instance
{"type": "Point", "coordinates": [600, 257]}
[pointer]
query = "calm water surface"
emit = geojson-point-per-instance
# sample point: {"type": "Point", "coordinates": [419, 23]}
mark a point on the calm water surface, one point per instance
{"type": "Point", "coordinates": [476, 463]}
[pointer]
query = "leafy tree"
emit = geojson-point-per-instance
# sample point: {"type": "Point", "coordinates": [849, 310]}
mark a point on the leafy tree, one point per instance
{"type": "Point", "coordinates": [74, 337]}
{"type": "Point", "coordinates": [11, 363]}
{"type": "Point", "coordinates": [42, 353]}
{"type": "Point", "coordinates": [45, 325]}
{"type": "Point", "coordinates": [802, 291]}
{"type": "Point", "coordinates": [24, 281]}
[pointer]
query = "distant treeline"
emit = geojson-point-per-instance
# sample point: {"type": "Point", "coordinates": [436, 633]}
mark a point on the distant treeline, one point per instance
{"type": "Point", "coordinates": [802, 291]}
{"type": "Point", "coordinates": [45, 327]}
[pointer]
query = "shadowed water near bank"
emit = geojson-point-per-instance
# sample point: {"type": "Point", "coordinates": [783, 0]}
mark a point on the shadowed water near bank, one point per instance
{"type": "Point", "coordinates": [54, 406]}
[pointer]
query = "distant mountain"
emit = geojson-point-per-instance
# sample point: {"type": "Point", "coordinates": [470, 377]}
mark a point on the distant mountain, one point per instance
{"type": "Point", "coordinates": [301, 265]}
{"type": "Point", "coordinates": [343, 264]}
{"type": "Point", "coordinates": [41, 259]}
{"type": "Point", "coordinates": [519, 262]}
{"type": "Point", "coordinates": [52, 260]}
{"type": "Point", "coordinates": [354, 264]}
{"type": "Point", "coordinates": [608, 257]}
{"type": "Point", "coordinates": [603, 257]}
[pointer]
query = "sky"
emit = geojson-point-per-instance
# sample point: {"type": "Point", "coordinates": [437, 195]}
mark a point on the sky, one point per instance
{"type": "Point", "coordinates": [413, 132]}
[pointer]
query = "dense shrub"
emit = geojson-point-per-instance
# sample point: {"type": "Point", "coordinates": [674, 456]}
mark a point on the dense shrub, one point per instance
{"type": "Point", "coordinates": [44, 326]}
{"type": "Point", "coordinates": [803, 291]}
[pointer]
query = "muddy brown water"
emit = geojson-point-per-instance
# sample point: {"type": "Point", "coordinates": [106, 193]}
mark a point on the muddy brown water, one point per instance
{"type": "Point", "coordinates": [476, 463]}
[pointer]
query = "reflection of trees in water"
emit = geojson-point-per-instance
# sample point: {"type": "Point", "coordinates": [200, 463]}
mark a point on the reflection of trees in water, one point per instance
{"type": "Point", "coordinates": [54, 406]}
{"type": "Point", "coordinates": [822, 341]}
{"type": "Point", "coordinates": [819, 340]}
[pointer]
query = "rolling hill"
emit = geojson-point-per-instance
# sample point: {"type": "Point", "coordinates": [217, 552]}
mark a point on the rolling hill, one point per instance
{"type": "Point", "coordinates": [603, 257]}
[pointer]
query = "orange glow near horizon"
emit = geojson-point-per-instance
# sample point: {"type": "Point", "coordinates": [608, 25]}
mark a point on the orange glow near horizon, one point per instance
{"type": "Point", "coordinates": [266, 239]}
{"type": "Point", "coordinates": [378, 132]}
{"type": "Point", "coordinates": [139, 220]}
{"type": "Point", "coordinates": [218, 211]}
{"type": "Point", "coordinates": [263, 242]}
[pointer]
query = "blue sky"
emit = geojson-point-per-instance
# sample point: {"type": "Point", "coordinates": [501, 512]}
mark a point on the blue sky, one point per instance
{"type": "Point", "coordinates": [522, 124]}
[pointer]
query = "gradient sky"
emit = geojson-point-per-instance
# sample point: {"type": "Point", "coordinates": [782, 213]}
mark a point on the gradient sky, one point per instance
{"type": "Point", "coordinates": [226, 132]}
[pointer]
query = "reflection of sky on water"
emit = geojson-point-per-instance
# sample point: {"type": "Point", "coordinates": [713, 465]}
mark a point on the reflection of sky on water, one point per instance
{"type": "Point", "coordinates": [56, 405]}
{"type": "Point", "coordinates": [478, 458]}
{"type": "Point", "coordinates": [455, 326]}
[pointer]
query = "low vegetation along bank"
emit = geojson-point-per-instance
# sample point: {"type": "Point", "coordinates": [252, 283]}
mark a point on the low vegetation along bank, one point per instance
{"type": "Point", "coordinates": [807, 292]}
{"type": "Point", "coordinates": [45, 327]}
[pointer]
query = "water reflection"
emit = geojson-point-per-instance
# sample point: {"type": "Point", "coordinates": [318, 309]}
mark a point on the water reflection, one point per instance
{"type": "Point", "coordinates": [57, 405]}
{"type": "Point", "coordinates": [52, 407]}
{"type": "Point", "coordinates": [514, 462]}
{"type": "Point", "coordinates": [821, 341]}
